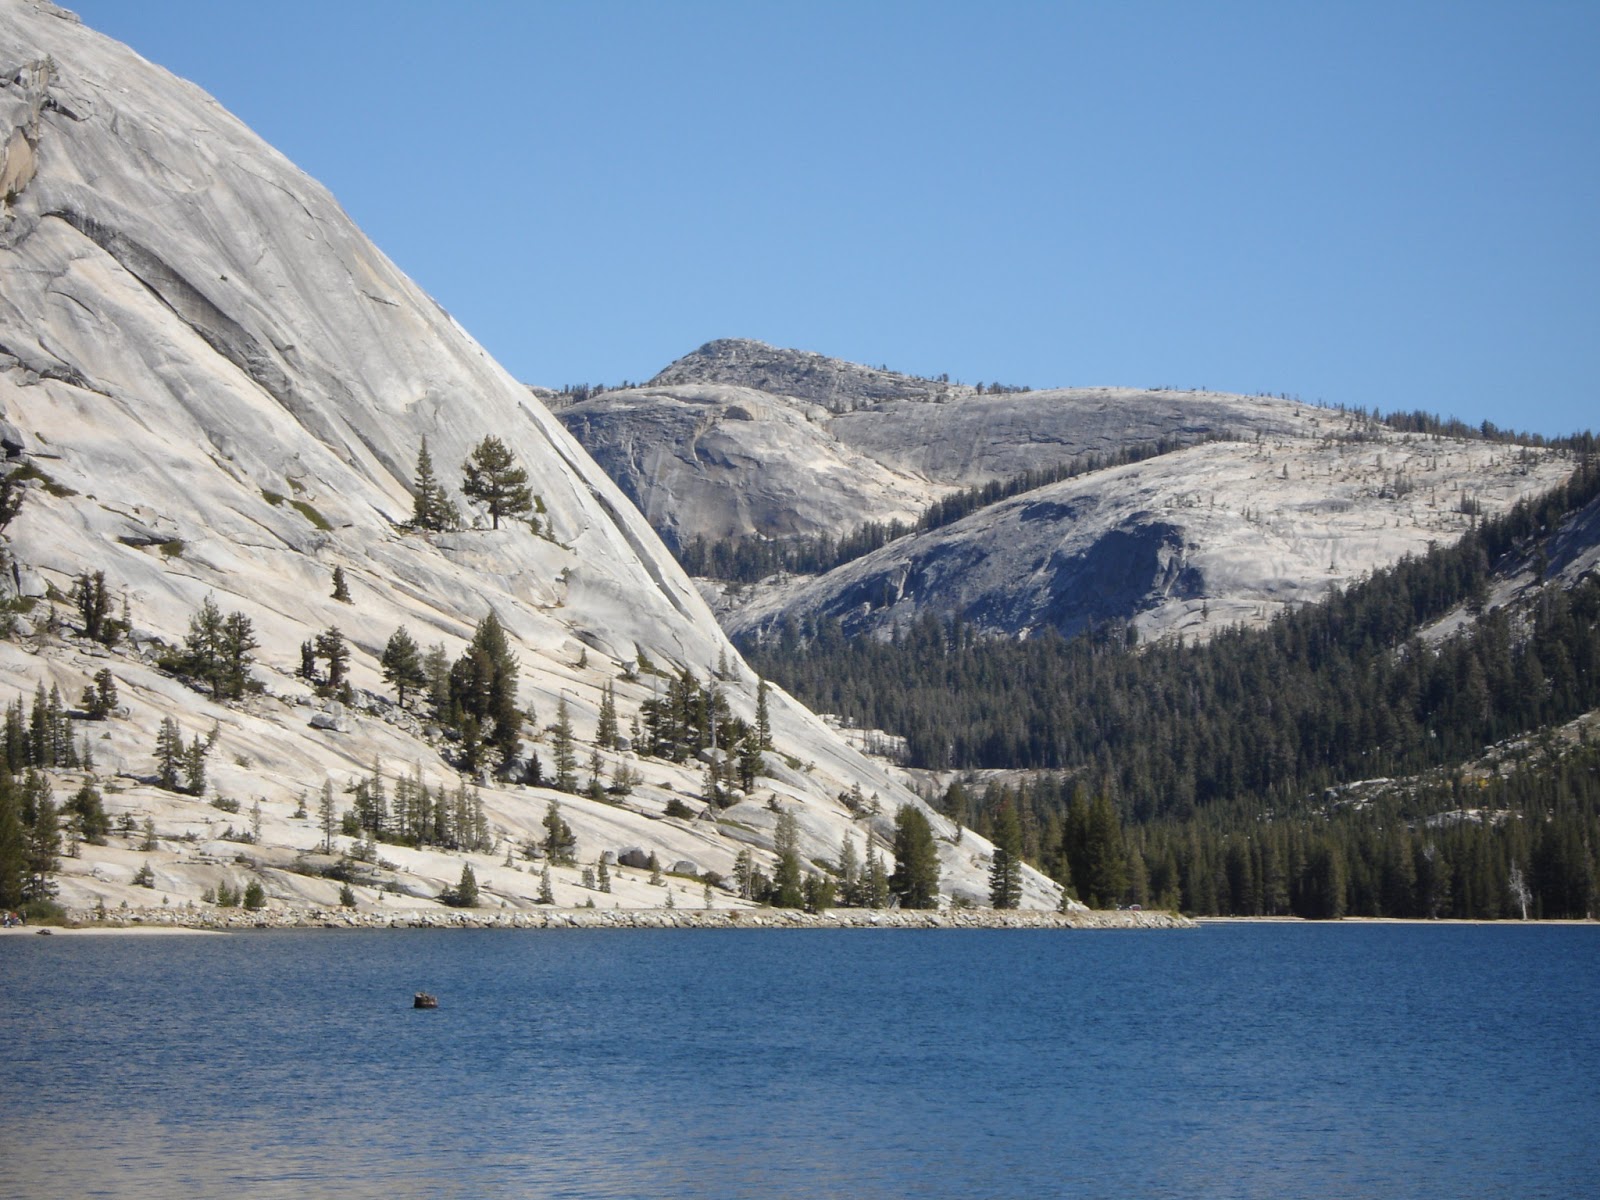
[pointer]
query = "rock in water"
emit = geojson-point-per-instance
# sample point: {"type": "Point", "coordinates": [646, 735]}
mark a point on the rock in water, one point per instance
{"type": "Point", "coordinates": [424, 1000]}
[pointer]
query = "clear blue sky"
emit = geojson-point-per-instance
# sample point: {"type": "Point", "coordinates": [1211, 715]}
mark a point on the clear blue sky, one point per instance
{"type": "Point", "coordinates": [1378, 204]}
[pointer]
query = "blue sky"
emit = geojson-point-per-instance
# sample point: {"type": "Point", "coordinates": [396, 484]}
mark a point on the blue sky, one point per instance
{"type": "Point", "coordinates": [1389, 205]}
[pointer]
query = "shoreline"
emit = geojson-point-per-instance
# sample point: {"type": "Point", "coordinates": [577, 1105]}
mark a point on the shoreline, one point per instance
{"type": "Point", "coordinates": [151, 922]}
{"type": "Point", "coordinates": [80, 922]}
{"type": "Point", "coordinates": [1503, 921]}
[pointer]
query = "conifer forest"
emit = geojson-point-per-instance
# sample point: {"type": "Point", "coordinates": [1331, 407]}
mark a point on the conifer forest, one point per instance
{"type": "Point", "coordinates": [1343, 760]}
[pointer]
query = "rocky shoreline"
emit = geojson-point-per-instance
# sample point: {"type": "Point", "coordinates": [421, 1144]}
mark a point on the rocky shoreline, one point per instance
{"type": "Point", "coordinates": [603, 918]}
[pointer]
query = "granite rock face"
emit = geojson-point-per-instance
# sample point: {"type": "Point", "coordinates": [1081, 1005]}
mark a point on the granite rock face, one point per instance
{"type": "Point", "coordinates": [1190, 542]}
{"type": "Point", "coordinates": [742, 439]}
{"type": "Point", "coordinates": [222, 386]}
{"type": "Point", "coordinates": [1254, 503]}
{"type": "Point", "coordinates": [720, 461]}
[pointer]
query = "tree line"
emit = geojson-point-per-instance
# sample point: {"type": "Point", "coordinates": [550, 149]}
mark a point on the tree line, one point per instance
{"type": "Point", "coordinates": [1342, 689]}
{"type": "Point", "coordinates": [1523, 843]}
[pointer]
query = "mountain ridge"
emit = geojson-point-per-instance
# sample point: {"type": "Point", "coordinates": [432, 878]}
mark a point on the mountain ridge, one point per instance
{"type": "Point", "coordinates": [1246, 504]}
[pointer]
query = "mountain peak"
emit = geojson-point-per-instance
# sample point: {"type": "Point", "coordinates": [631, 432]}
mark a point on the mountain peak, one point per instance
{"type": "Point", "coordinates": [835, 384]}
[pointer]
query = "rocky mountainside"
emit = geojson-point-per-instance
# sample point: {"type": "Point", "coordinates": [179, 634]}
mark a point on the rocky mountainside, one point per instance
{"type": "Point", "coordinates": [216, 387]}
{"type": "Point", "coordinates": [743, 439]}
{"type": "Point", "coordinates": [1257, 503]}
{"type": "Point", "coordinates": [720, 461]}
{"type": "Point", "coordinates": [1200, 539]}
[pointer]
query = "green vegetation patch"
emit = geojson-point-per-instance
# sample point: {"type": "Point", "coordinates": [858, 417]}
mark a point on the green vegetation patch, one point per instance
{"type": "Point", "coordinates": [311, 514]}
{"type": "Point", "coordinates": [30, 470]}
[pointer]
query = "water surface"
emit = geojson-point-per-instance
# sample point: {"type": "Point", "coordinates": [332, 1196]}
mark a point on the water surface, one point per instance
{"type": "Point", "coordinates": [1242, 1060]}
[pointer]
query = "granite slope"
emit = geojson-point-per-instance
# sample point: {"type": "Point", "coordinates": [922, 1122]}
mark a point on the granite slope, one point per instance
{"type": "Point", "coordinates": [222, 387]}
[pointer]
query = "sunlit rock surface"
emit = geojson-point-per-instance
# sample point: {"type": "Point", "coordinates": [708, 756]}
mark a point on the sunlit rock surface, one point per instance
{"type": "Point", "coordinates": [226, 386]}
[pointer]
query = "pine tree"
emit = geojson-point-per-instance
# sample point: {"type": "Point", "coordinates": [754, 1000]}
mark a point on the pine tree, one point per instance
{"type": "Point", "coordinates": [43, 849]}
{"type": "Point", "coordinates": [750, 759]}
{"type": "Point", "coordinates": [465, 893]}
{"type": "Point", "coordinates": [560, 844]}
{"type": "Point", "coordinates": [169, 755]}
{"type": "Point", "coordinates": [436, 666]}
{"type": "Point", "coordinates": [431, 507]}
{"type": "Point", "coordinates": [402, 664]}
{"type": "Point", "coordinates": [603, 872]}
{"type": "Point", "coordinates": [327, 818]}
{"type": "Point", "coordinates": [40, 740]}
{"type": "Point", "coordinates": [13, 844]}
{"type": "Point", "coordinates": [606, 730]}
{"type": "Point", "coordinates": [1005, 870]}
{"type": "Point", "coordinates": [916, 868]}
{"type": "Point", "coordinates": [194, 766]}
{"type": "Point", "coordinates": [341, 588]}
{"type": "Point", "coordinates": [16, 738]}
{"type": "Point", "coordinates": [492, 478]}
{"type": "Point", "coordinates": [88, 809]}
{"type": "Point", "coordinates": [1105, 874]}
{"type": "Point", "coordinates": [788, 883]}
{"type": "Point", "coordinates": [483, 686]}
{"type": "Point", "coordinates": [874, 878]}
{"type": "Point", "coordinates": [100, 698]}
{"type": "Point", "coordinates": [763, 718]}
{"type": "Point", "coordinates": [481, 839]}
{"type": "Point", "coordinates": [561, 749]}
{"type": "Point", "coordinates": [849, 873]}
{"type": "Point", "coordinates": [204, 654]}
{"type": "Point", "coordinates": [820, 893]}
{"type": "Point", "coordinates": [547, 893]}
{"type": "Point", "coordinates": [331, 646]}
{"type": "Point", "coordinates": [93, 599]}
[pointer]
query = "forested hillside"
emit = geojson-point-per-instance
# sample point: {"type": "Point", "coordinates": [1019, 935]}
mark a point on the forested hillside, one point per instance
{"type": "Point", "coordinates": [1222, 756]}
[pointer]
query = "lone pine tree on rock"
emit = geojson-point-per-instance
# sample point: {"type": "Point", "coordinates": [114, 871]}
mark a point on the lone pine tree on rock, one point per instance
{"type": "Point", "coordinates": [492, 478]}
{"type": "Point", "coordinates": [431, 507]}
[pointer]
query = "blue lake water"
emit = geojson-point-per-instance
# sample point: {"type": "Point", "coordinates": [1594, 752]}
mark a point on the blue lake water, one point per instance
{"type": "Point", "coordinates": [1241, 1060]}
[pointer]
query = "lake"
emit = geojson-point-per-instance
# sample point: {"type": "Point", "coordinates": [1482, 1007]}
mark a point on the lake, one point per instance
{"type": "Point", "coordinates": [1270, 1060]}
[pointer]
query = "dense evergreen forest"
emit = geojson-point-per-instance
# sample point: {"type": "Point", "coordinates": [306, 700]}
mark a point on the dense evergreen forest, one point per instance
{"type": "Point", "coordinates": [1484, 845]}
{"type": "Point", "coordinates": [1195, 742]}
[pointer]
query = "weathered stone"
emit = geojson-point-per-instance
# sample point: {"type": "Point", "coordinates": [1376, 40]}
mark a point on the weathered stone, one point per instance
{"type": "Point", "coordinates": [332, 719]}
